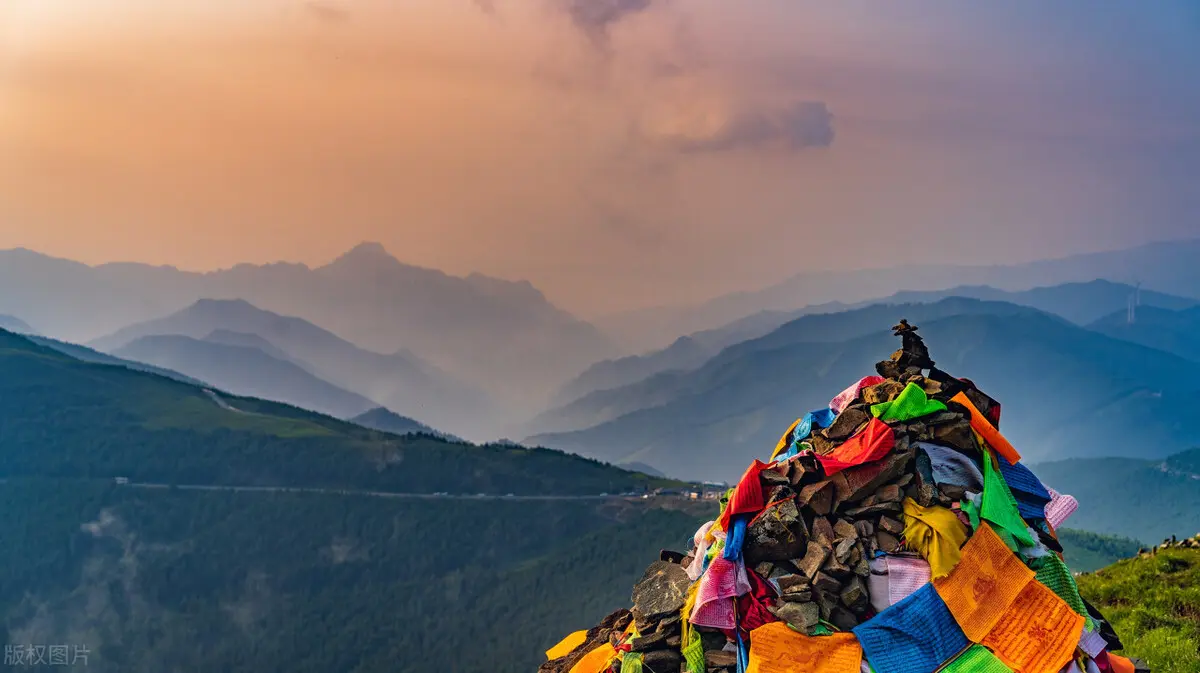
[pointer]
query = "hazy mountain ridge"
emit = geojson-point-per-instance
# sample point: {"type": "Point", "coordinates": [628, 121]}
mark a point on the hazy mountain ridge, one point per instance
{"type": "Point", "coordinates": [386, 420]}
{"type": "Point", "coordinates": [245, 371]}
{"type": "Point", "coordinates": [1080, 303]}
{"type": "Point", "coordinates": [1062, 387]}
{"type": "Point", "coordinates": [400, 382]}
{"type": "Point", "coordinates": [15, 324]}
{"type": "Point", "coordinates": [496, 333]}
{"type": "Point", "coordinates": [1167, 267]}
{"type": "Point", "coordinates": [1173, 331]}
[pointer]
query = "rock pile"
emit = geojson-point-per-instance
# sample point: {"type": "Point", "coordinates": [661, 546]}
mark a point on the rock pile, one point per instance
{"type": "Point", "coordinates": [894, 531]}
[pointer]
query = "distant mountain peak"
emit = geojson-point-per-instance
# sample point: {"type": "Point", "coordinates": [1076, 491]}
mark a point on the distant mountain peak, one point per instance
{"type": "Point", "coordinates": [367, 252]}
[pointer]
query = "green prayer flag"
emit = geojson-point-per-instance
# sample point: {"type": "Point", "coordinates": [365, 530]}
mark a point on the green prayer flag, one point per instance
{"type": "Point", "coordinates": [1052, 572]}
{"type": "Point", "coordinates": [976, 659]}
{"type": "Point", "coordinates": [1000, 507]}
{"type": "Point", "coordinates": [631, 662]}
{"type": "Point", "coordinates": [693, 653]}
{"type": "Point", "coordinates": [911, 403]}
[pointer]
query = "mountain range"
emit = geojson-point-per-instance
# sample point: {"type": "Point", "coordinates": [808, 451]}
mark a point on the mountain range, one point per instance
{"type": "Point", "coordinates": [245, 371]}
{"type": "Point", "coordinates": [15, 324]}
{"type": "Point", "coordinates": [246, 350]}
{"type": "Point", "coordinates": [234, 534]}
{"type": "Point", "coordinates": [1165, 267]}
{"type": "Point", "coordinates": [1082, 303]}
{"type": "Point", "coordinates": [1067, 391]}
{"type": "Point", "coordinates": [500, 335]}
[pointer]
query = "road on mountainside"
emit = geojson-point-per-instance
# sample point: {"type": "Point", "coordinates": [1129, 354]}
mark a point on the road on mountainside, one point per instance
{"type": "Point", "coordinates": [378, 494]}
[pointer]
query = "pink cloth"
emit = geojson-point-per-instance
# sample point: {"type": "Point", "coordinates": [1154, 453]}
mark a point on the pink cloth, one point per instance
{"type": "Point", "coordinates": [893, 578]}
{"type": "Point", "coordinates": [905, 576]}
{"type": "Point", "coordinates": [696, 569]}
{"type": "Point", "coordinates": [844, 398]}
{"type": "Point", "coordinates": [1059, 508]}
{"type": "Point", "coordinates": [719, 588]}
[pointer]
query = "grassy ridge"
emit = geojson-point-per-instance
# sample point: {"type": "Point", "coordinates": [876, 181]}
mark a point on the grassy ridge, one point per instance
{"type": "Point", "coordinates": [1154, 604]}
{"type": "Point", "coordinates": [68, 418]}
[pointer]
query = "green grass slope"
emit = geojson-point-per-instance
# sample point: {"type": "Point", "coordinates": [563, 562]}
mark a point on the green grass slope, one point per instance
{"type": "Point", "coordinates": [66, 418]}
{"type": "Point", "coordinates": [1153, 603]}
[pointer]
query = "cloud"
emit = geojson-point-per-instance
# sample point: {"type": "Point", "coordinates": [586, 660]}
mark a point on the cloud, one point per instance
{"type": "Point", "coordinates": [595, 17]}
{"type": "Point", "coordinates": [793, 127]}
{"type": "Point", "coordinates": [485, 6]}
{"type": "Point", "coordinates": [327, 12]}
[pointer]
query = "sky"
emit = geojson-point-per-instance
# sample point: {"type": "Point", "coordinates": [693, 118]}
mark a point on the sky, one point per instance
{"type": "Point", "coordinates": [616, 153]}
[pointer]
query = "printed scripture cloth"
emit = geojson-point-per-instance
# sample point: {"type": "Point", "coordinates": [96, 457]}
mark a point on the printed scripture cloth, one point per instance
{"type": "Point", "coordinates": [779, 649]}
{"type": "Point", "coordinates": [916, 635]}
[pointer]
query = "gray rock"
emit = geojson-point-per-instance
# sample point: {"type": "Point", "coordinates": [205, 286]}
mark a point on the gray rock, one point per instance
{"type": "Point", "coordinates": [778, 534]}
{"type": "Point", "coordinates": [800, 616]}
{"type": "Point", "coordinates": [661, 592]}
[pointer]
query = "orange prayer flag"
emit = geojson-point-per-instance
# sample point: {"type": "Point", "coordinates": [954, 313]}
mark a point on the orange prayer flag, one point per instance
{"type": "Point", "coordinates": [595, 661]}
{"type": "Point", "coordinates": [567, 645]}
{"type": "Point", "coordinates": [776, 648]}
{"type": "Point", "coordinates": [986, 581]}
{"type": "Point", "coordinates": [1120, 664]}
{"type": "Point", "coordinates": [981, 425]}
{"type": "Point", "coordinates": [1038, 633]}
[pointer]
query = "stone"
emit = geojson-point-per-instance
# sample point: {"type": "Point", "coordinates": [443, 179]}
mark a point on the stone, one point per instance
{"type": "Point", "coordinates": [886, 542]}
{"type": "Point", "coordinates": [800, 616]}
{"type": "Point", "coordinates": [953, 492]}
{"type": "Point", "coordinates": [887, 523]}
{"type": "Point", "coordinates": [864, 528]}
{"type": "Point", "coordinates": [775, 475]}
{"type": "Point", "coordinates": [764, 569]}
{"type": "Point", "coordinates": [868, 501]}
{"type": "Point", "coordinates": [844, 529]}
{"type": "Point", "coordinates": [662, 591]}
{"type": "Point", "coordinates": [826, 584]}
{"type": "Point", "coordinates": [863, 568]}
{"type": "Point", "coordinates": [818, 497]}
{"type": "Point", "coordinates": [882, 392]}
{"type": "Point", "coordinates": [842, 618]}
{"type": "Point", "coordinates": [874, 510]}
{"type": "Point", "coordinates": [904, 480]}
{"type": "Point", "coordinates": [888, 369]}
{"type": "Point", "coordinates": [863, 480]}
{"type": "Point", "coordinates": [842, 551]}
{"type": "Point", "coordinates": [712, 639]}
{"type": "Point", "coordinates": [650, 641]}
{"type": "Point", "coordinates": [720, 659]}
{"type": "Point", "coordinates": [670, 624]}
{"type": "Point", "coordinates": [822, 532]}
{"type": "Point", "coordinates": [854, 594]}
{"type": "Point", "coordinates": [957, 434]}
{"type": "Point", "coordinates": [804, 470]}
{"type": "Point", "coordinates": [797, 597]}
{"type": "Point", "coordinates": [814, 559]}
{"type": "Point", "coordinates": [777, 534]}
{"type": "Point", "coordinates": [674, 642]}
{"type": "Point", "coordinates": [793, 584]}
{"type": "Point", "coordinates": [888, 493]}
{"type": "Point", "coordinates": [662, 660]}
{"type": "Point", "coordinates": [850, 421]}
{"type": "Point", "coordinates": [836, 569]}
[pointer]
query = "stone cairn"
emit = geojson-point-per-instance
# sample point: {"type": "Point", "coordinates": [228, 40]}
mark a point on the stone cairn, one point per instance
{"type": "Point", "coordinates": [827, 518]}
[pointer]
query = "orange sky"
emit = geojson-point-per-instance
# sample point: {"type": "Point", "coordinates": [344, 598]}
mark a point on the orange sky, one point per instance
{"type": "Point", "coordinates": [667, 151]}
